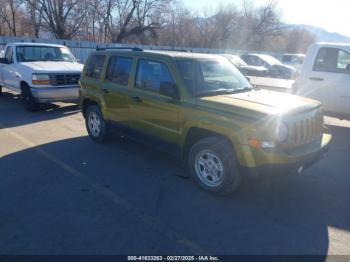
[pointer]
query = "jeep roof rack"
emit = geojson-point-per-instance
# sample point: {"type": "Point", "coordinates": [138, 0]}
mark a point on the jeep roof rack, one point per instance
{"type": "Point", "coordinates": [119, 48]}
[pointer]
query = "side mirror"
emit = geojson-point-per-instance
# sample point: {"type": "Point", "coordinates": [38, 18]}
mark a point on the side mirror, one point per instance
{"type": "Point", "coordinates": [4, 60]}
{"type": "Point", "coordinates": [169, 89]}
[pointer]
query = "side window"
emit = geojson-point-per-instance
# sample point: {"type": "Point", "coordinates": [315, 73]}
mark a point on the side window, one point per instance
{"type": "Point", "coordinates": [344, 61]}
{"type": "Point", "coordinates": [151, 75]}
{"type": "Point", "coordinates": [332, 60]}
{"type": "Point", "coordinates": [253, 60]}
{"type": "Point", "coordinates": [287, 59]}
{"type": "Point", "coordinates": [259, 62]}
{"type": "Point", "coordinates": [9, 55]}
{"type": "Point", "coordinates": [94, 66]}
{"type": "Point", "coordinates": [249, 60]}
{"type": "Point", "coordinates": [118, 70]}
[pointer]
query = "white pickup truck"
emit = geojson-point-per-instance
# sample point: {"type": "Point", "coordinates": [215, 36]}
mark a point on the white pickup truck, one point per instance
{"type": "Point", "coordinates": [325, 76]}
{"type": "Point", "coordinates": [41, 73]}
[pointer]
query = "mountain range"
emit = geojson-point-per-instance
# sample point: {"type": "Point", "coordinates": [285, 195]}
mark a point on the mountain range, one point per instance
{"type": "Point", "coordinates": [323, 35]}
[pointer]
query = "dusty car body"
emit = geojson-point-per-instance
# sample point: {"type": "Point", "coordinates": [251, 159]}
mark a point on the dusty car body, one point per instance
{"type": "Point", "coordinates": [203, 110]}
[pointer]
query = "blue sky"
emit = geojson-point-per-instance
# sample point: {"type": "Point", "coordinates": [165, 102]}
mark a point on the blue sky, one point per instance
{"type": "Point", "coordinates": [333, 16]}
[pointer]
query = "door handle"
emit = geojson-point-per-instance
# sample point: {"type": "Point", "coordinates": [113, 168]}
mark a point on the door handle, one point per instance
{"type": "Point", "coordinates": [136, 99]}
{"type": "Point", "coordinates": [316, 78]}
{"type": "Point", "coordinates": [105, 90]}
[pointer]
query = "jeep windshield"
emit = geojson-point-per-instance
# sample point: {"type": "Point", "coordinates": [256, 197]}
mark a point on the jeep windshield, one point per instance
{"type": "Point", "coordinates": [44, 53]}
{"type": "Point", "coordinates": [208, 77]}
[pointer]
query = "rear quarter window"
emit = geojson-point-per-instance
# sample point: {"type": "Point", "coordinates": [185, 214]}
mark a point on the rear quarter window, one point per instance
{"type": "Point", "coordinates": [94, 66]}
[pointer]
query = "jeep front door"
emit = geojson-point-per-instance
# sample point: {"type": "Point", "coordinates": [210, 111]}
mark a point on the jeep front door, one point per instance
{"type": "Point", "coordinates": [154, 112]}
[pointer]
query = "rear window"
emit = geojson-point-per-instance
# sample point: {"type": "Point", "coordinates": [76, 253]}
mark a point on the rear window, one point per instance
{"type": "Point", "coordinates": [332, 60]}
{"type": "Point", "coordinates": [94, 66]}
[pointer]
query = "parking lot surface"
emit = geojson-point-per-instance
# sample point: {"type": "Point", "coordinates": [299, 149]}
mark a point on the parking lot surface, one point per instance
{"type": "Point", "coordinates": [61, 193]}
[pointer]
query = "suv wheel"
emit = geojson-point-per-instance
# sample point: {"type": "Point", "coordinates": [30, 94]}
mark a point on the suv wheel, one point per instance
{"type": "Point", "coordinates": [28, 100]}
{"type": "Point", "coordinates": [214, 166]}
{"type": "Point", "coordinates": [95, 124]}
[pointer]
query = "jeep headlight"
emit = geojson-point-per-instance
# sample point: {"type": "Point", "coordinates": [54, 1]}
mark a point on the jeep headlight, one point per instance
{"type": "Point", "coordinates": [282, 132]}
{"type": "Point", "coordinates": [40, 79]}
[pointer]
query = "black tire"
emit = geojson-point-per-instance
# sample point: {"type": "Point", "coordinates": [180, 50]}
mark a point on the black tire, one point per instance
{"type": "Point", "coordinates": [28, 100]}
{"type": "Point", "coordinates": [102, 135]}
{"type": "Point", "coordinates": [230, 177]}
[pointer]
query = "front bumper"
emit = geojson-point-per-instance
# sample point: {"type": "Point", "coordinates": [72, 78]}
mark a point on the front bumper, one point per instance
{"type": "Point", "coordinates": [298, 160]}
{"type": "Point", "coordinates": [55, 94]}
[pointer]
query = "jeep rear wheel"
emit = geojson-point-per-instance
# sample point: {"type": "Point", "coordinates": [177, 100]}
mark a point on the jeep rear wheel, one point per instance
{"type": "Point", "coordinates": [95, 124]}
{"type": "Point", "coordinates": [214, 166]}
{"type": "Point", "coordinates": [28, 100]}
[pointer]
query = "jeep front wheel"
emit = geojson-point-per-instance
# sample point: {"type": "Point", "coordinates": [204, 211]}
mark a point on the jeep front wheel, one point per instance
{"type": "Point", "coordinates": [95, 124]}
{"type": "Point", "coordinates": [214, 166]}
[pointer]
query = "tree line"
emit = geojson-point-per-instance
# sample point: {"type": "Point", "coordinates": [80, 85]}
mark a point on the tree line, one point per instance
{"type": "Point", "coordinates": [158, 22]}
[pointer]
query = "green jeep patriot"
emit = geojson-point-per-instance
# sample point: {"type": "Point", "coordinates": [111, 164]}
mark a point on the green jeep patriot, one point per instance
{"type": "Point", "coordinates": [202, 109]}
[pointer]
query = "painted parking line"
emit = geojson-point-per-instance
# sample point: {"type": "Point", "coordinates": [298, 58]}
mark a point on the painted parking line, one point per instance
{"type": "Point", "coordinates": [116, 199]}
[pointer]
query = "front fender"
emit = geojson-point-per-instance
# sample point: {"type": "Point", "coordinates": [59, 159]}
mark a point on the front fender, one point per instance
{"type": "Point", "coordinates": [236, 133]}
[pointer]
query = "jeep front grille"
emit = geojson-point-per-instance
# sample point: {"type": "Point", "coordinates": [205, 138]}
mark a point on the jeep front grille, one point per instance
{"type": "Point", "coordinates": [306, 129]}
{"type": "Point", "coordinates": [64, 79]}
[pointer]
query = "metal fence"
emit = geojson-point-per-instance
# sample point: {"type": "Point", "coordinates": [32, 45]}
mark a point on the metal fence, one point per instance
{"type": "Point", "coordinates": [81, 49]}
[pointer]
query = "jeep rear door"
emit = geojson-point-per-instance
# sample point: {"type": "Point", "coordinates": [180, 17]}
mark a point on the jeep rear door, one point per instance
{"type": "Point", "coordinates": [115, 88]}
{"type": "Point", "coordinates": [154, 116]}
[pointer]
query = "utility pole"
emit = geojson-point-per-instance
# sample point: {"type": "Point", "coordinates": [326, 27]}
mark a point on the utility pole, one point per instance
{"type": "Point", "coordinates": [173, 30]}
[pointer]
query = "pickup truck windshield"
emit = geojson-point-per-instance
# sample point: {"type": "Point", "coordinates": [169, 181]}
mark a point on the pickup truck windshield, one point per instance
{"type": "Point", "coordinates": [207, 77]}
{"type": "Point", "coordinates": [44, 53]}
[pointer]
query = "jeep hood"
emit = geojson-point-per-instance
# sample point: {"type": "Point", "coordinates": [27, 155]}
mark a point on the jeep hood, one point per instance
{"type": "Point", "coordinates": [260, 101]}
{"type": "Point", "coordinates": [51, 66]}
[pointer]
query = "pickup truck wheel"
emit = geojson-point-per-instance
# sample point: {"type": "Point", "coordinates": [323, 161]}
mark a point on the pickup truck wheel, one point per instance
{"type": "Point", "coordinates": [95, 124]}
{"type": "Point", "coordinates": [28, 100]}
{"type": "Point", "coordinates": [214, 166]}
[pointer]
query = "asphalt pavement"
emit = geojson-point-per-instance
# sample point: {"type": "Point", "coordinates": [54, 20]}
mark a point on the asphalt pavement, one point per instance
{"type": "Point", "coordinates": [61, 193]}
